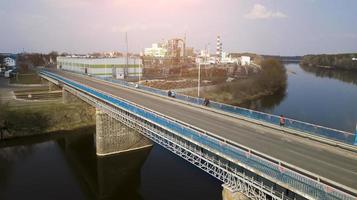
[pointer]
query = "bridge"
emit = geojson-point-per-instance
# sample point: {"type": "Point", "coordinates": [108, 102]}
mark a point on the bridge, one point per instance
{"type": "Point", "coordinates": [244, 149]}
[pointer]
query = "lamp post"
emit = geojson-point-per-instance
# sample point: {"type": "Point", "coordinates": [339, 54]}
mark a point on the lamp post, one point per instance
{"type": "Point", "coordinates": [140, 72]}
{"type": "Point", "coordinates": [105, 69]}
{"type": "Point", "coordinates": [355, 142]}
{"type": "Point", "coordinates": [199, 80]}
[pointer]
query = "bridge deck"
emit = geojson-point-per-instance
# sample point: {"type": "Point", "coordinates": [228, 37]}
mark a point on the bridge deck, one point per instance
{"type": "Point", "coordinates": [326, 161]}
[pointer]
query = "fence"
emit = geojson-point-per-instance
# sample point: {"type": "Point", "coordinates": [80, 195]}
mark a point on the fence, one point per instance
{"type": "Point", "coordinates": [309, 185]}
{"type": "Point", "coordinates": [316, 130]}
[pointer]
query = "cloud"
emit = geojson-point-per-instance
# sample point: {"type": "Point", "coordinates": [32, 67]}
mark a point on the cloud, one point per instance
{"type": "Point", "coordinates": [261, 12]}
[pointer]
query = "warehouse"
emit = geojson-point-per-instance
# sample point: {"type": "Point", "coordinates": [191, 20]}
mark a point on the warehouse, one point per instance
{"type": "Point", "coordinates": [119, 67]}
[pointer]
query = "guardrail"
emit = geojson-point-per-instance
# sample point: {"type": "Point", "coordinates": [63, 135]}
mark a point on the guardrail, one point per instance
{"type": "Point", "coordinates": [273, 169]}
{"type": "Point", "coordinates": [308, 128]}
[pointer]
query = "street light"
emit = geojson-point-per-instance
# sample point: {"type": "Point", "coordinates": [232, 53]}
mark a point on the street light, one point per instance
{"type": "Point", "coordinates": [105, 69]}
{"type": "Point", "coordinates": [199, 79]}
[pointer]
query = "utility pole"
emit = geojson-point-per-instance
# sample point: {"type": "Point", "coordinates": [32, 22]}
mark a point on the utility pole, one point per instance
{"type": "Point", "coordinates": [199, 80]}
{"type": "Point", "coordinates": [127, 54]}
{"type": "Point", "coordinates": [355, 143]}
{"type": "Point", "coordinates": [184, 49]}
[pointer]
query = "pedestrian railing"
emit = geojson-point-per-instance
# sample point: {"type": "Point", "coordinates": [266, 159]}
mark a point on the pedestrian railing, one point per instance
{"type": "Point", "coordinates": [308, 128]}
{"type": "Point", "coordinates": [283, 173]}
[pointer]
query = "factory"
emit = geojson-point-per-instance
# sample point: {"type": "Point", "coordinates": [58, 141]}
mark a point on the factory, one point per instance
{"type": "Point", "coordinates": [221, 57]}
{"type": "Point", "coordinates": [118, 67]}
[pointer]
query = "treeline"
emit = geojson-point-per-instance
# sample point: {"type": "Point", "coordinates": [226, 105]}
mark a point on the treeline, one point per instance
{"type": "Point", "coordinates": [38, 59]}
{"type": "Point", "coordinates": [271, 79]}
{"type": "Point", "coordinates": [273, 74]}
{"type": "Point", "coordinates": [334, 61]}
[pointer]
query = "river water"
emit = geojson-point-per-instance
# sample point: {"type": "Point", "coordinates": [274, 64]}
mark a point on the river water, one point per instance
{"type": "Point", "coordinates": [67, 168]}
{"type": "Point", "coordinates": [319, 96]}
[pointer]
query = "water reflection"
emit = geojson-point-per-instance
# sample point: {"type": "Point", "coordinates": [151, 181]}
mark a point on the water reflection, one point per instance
{"type": "Point", "coordinates": [8, 158]}
{"type": "Point", "coordinates": [318, 96]}
{"type": "Point", "coordinates": [110, 177]}
{"type": "Point", "coordinates": [267, 102]}
{"type": "Point", "coordinates": [68, 168]}
{"type": "Point", "coordinates": [342, 75]}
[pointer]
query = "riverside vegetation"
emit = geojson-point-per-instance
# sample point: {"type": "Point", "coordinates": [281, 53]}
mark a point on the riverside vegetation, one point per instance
{"type": "Point", "coordinates": [332, 61]}
{"type": "Point", "coordinates": [47, 117]}
{"type": "Point", "coordinates": [271, 79]}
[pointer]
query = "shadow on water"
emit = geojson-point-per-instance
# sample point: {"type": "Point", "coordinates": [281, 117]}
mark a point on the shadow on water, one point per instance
{"type": "Point", "coordinates": [36, 165]}
{"type": "Point", "coordinates": [109, 177]}
{"type": "Point", "coordinates": [267, 102]}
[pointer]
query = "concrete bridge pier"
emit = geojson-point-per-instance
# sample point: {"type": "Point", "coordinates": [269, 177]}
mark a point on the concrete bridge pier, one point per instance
{"type": "Point", "coordinates": [68, 97]}
{"type": "Point", "coordinates": [228, 194]}
{"type": "Point", "coordinates": [52, 86]}
{"type": "Point", "coordinates": [65, 96]}
{"type": "Point", "coordinates": [114, 137]}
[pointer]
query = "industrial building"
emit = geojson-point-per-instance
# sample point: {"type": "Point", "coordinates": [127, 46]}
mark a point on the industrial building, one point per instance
{"type": "Point", "coordinates": [120, 67]}
{"type": "Point", "coordinates": [156, 50]}
{"type": "Point", "coordinates": [245, 60]}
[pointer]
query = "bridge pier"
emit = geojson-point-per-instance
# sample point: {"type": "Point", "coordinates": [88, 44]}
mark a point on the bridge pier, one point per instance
{"type": "Point", "coordinates": [52, 86]}
{"type": "Point", "coordinates": [228, 194]}
{"type": "Point", "coordinates": [65, 96]}
{"type": "Point", "coordinates": [68, 97]}
{"type": "Point", "coordinates": [114, 137]}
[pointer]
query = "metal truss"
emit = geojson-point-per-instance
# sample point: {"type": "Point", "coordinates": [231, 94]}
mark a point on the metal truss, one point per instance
{"type": "Point", "coordinates": [189, 150]}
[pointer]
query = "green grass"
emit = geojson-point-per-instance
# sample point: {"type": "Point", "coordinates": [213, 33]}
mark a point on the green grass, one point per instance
{"type": "Point", "coordinates": [29, 77]}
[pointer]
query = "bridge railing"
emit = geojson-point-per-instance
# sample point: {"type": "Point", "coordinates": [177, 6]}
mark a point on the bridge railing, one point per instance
{"type": "Point", "coordinates": [308, 128]}
{"type": "Point", "coordinates": [270, 168]}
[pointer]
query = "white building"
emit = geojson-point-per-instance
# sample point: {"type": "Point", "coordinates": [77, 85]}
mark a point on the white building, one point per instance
{"type": "Point", "coordinates": [227, 59]}
{"type": "Point", "coordinates": [155, 51]}
{"type": "Point", "coordinates": [245, 60]}
{"type": "Point", "coordinates": [103, 67]}
{"type": "Point", "coordinates": [355, 59]}
{"type": "Point", "coordinates": [9, 62]}
{"type": "Point", "coordinates": [203, 58]}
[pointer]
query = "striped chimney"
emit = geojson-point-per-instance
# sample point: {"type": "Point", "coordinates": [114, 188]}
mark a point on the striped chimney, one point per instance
{"type": "Point", "coordinates": [218, 49]}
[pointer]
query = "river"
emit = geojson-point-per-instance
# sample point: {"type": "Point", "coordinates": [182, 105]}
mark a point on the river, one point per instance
{"type": "Point", "coordinates": [66, 167]}
{"type": "Point", "coordinates": [319, 96]}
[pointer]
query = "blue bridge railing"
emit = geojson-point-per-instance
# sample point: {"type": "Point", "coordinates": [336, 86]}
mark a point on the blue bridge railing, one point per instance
{"type": "Point", "coordinates": [283, 173]}
{"type": "Point", "coordinates": [313, 129]}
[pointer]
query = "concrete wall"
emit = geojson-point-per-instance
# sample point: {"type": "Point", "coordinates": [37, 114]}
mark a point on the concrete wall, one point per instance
{"type": "Point", "coordinates": [228, 194]}
{"type": "Point", "coordinates": [114, 137]}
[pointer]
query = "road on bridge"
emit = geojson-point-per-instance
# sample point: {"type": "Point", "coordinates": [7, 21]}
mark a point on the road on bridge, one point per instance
{"type": "Point", "coordinates": [323, 160]}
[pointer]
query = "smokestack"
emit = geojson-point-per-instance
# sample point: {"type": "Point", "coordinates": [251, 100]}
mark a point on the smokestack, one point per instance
{"type": "Point", "coordinates": [218, 50]}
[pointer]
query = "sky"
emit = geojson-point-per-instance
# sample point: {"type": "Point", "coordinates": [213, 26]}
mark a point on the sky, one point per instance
{"type": "Point", "coordinates": [275, 27]}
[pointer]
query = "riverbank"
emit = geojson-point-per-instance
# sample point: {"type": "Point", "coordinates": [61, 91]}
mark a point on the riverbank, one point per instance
{"type": "Point", "coordinates": [43, 117]}
{"type": "Point", "coordinates": [270, 80]}
{"type": "Point", "coordinates": [332, 61]}
{"type": "Point", "coordinates": [33, 110]}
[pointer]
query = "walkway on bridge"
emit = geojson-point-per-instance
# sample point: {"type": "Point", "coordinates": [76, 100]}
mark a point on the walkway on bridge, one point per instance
{"type": "Point", "coordinates": [327, 161]}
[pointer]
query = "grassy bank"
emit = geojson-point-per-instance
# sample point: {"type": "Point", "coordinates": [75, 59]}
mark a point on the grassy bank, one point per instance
{"type": "Point", "coordinates": [271, 79]}
{"type": "Point", "coordinates": [26, 77]}
{"type": "Point", "coordinates": [17, 121]}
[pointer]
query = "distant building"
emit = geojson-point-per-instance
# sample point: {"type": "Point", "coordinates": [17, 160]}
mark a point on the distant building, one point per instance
{"type": "Point", "coordinates": [103, 67]}
{"type": "Point", "coordinates": [9, 62]}
{"type": "Point", "coordinates": [155, 51]}
{"type": "Point", "coordinates": [355, 59]}
{"type": "Point", "coordinates": [245, 60]}
{"type": "Point", "coordinates": [227, 59]}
